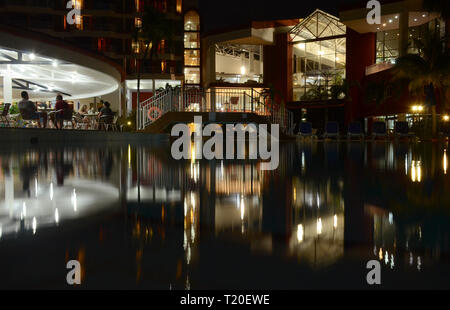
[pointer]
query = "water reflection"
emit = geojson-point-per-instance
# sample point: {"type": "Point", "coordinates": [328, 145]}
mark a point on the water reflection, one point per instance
{"type": "Point", "coordinates": [174, 218]}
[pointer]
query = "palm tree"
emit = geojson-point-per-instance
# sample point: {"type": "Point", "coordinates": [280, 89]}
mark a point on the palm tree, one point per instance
{"type": "Point", "coordinates": [427, 72]}
{"type": "Point", "coordinates": [154, 28]}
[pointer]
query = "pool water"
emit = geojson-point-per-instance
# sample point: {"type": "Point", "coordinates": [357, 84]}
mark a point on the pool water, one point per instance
{"type": "Point", "coordinates": [135, 218]}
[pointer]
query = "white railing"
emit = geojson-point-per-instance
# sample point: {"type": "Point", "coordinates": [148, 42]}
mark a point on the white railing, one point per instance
{"type": "Point", "coordinates": [213, 100]}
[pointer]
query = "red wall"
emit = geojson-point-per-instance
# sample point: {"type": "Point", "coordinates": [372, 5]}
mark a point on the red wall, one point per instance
{"type": "Point", "coordinates": [143, 96]}
{"type": "Point", "coordinates": [360, 54]}
{"type": "Point", "coordinates": [278, 67]}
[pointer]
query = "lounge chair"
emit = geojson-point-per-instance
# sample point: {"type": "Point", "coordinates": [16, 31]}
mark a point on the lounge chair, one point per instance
{"type": "Point", "coordinates": [331, 130]}
{"type": "Point", "coordinates": [306, 130]}
{"type": "Point", "coordinates": [379, 130]}
{"type": "Point", "coordinates": [402, 130]}
{"type": "Point", "coordinates": [355, 131]}
{"type": "Point", "coordinates": [4, 117]}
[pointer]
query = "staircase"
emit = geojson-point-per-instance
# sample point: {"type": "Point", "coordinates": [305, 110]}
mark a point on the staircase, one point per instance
{"type": "Point", "coordinates": [222, 101]}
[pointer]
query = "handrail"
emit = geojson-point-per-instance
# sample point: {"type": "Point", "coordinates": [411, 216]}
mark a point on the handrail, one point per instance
{"type": "Point", "coordinates": [213, 100]}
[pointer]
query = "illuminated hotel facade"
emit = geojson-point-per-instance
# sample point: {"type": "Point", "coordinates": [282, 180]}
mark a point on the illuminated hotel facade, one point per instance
{"type": "Point", "coordinates": [304, 63]}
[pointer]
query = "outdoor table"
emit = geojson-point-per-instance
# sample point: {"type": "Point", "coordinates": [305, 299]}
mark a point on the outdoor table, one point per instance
{"type": "Point", "coordinates": [92, 119]}
{"type": "Point", "coordinates": [50, 114]}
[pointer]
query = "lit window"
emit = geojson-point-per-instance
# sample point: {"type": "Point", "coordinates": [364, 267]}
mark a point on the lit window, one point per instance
{"type": "Point", "coordinates": [179, 6]}
{"type": "Point", "coordinates": [138, 22]}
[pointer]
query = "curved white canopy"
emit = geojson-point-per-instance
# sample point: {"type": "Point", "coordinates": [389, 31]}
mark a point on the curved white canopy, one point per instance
{"type": "Point", "coordinates": [44, 77]}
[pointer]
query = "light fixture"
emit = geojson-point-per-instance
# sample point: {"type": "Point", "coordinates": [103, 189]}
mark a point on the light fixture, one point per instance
{"type": "Point", "coordinates": [384, 25]}
{"type": "Point", "coordinates": [32, 56]}
{"type": "Point", "coordinates": [415, 19]}
{"type": "Point", "coordinates": [243, 70]}
{"type": "Point", "coordinates": [446, 118]}
{"type": "Point", "coordinates": [390, 21]}
{"type": "Point", "coordinates": [424, 15]}
{"type": "Point", "coordinates": [417, 108]}
{"type": "Point", "coordinates": [396, 16]}
{"type": "Point", "coordinates": [55, 63]}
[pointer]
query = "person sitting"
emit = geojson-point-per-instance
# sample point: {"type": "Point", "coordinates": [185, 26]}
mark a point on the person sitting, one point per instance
{"type": "Point", "coordinates": [28, 110]}
{"type": "Point", "coordinates": [106, 115]}
{"type": "Point", "coordinates": [91, 108]}
{"type": "Point", "coordinates": [61, 108]}
{"type": "Point", "coordinates": [83, 111]}
{"type": "Point", "coordinates": [106, 110]}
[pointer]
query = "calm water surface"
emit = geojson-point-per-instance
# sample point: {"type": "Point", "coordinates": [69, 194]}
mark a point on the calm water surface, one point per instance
{"type": "Point", "coordinates": [135, 218]}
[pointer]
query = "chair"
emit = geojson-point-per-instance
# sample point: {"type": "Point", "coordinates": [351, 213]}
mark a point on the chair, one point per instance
{"type": "Point", "coordinates": [379, 130]}
{"type": "Point", "coordinates": [234, 103]}
{"type": "Point", "coordinates": [26, 116]}
{"type": "Point", "coordinates": [305, 130]}
{"type": "Point", "coordinates": [355, 131]}
{"type": "Point", "coordinates": [68, 118]}
{"type": "Point", "coordinates": [4, 117]}
{"type": "Point", "coordinates": [80, 122]}
{"type": "Point", "coordinates": [113, 124]}
{"type": "Point", "coordinates": [401, 130]}
{"type": "Point", "coordinates": [331, 130]}
{"type": "Point", "coordinates": [105, 121]}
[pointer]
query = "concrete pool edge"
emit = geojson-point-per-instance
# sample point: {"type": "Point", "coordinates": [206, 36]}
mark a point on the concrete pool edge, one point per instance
{"type": "Point", "coordinates": [44, 136]}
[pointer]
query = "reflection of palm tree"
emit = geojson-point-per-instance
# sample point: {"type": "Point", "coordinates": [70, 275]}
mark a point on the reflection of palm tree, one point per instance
{"type": "Point", "coordinates": [427, 72]}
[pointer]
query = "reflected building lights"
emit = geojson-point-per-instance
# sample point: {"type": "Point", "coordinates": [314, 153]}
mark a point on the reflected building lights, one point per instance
{"type": "Point", "coordinates": [24, 211]}
{"type": "Point", "coordinates": [300, 233]}
{"type": "Point", "coordinates": [444, 162]}
{"type": "Point", "coordinates": [319, 226]}
{"type": "Point", "coordinates": [34, 225]}
{"type": "Point", "coordinates": [380, 254]}
{"type": "Point", "coordinates": [129, 156]}
{"type": "Point", "coordinates": [335, 221]}
{"type": "Point", "coordinates": [51, 191]}
{"type": "Point", "coordinates": [386, 258]}
{"type": "Point", "coordinates": [56, 216]}
{"type": "Point", "coordinates": [74, 200]}
{"type": "Point", "coordinates": [416, 171]}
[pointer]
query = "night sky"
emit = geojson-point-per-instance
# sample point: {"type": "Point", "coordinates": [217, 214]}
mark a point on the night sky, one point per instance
{"type": "Point", "coordinates": [219, 15]}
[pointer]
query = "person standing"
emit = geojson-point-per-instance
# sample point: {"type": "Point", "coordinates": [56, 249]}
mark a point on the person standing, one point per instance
{"type": "Point", "coordinates": [61, 108]}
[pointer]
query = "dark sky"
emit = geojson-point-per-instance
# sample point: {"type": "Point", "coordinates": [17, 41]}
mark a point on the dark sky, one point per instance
{"type": "Point", "coordinates": [220, 14]}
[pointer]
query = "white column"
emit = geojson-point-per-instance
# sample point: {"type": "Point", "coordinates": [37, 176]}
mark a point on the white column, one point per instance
{"type": "Point", "coordinates": [7, 87]}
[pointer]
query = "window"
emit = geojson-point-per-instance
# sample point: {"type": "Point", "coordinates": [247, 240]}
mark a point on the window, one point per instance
{"type": "Point", "coordinates": [387, 46]}
{"type": "Point", "coordinates": [191, 21]}
{"type": "Point", "coordinates": [319, 56]}
{"type": "Point", "coordinates": [192, 75]}
{"type": "Point", "coordinates": [138, 22]}
{"type": "Point", "coordinates": [192, 48]}
{"type": "Point", "coordinates": [179, 6]}
{"type": "Point", "coordinates": [192, 57]}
